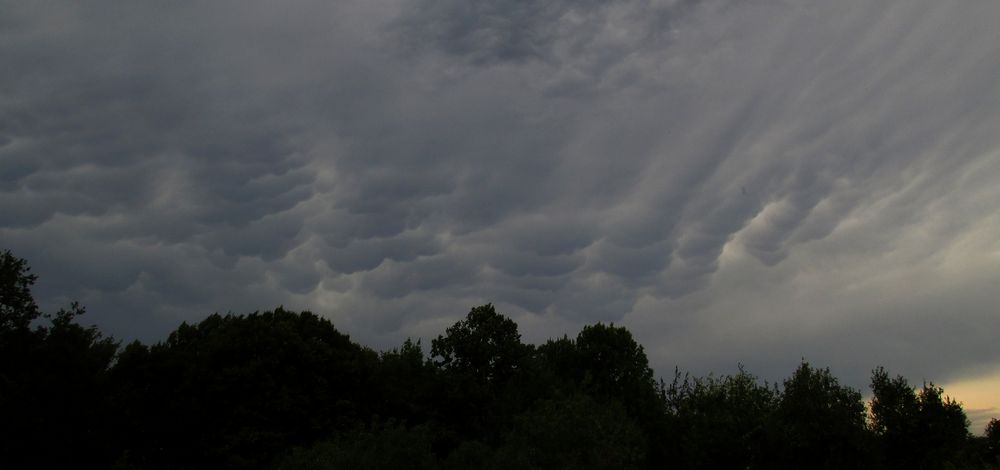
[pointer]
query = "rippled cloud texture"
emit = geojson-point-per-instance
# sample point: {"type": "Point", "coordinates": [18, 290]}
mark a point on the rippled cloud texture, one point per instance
{"type": "Point", "coordinates": [755, 181]}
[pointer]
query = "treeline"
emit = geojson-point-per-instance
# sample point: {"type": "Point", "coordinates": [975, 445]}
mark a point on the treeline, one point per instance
{"type": "Point", "coordinates": [286, 390]}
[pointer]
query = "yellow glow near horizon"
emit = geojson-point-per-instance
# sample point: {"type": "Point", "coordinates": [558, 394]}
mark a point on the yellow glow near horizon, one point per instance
{"type": "Point", "coordinates": [980, 398]}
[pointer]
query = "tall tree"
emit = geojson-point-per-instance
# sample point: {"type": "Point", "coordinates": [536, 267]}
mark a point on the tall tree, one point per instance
{"type": "Point", "coordinates": [235, 391]}
{"type": "Point", "coordinates": [486, 347]}
{"type": "Point", "coordinates": [406, 379]}
{"type": "Point", "coordinates": [820, 423]}
{"type": "Point", "coordinates": [916, 429]}
{"type": "Point", "coordinates": [615, 368]}
{"type": "Point", "coordinates": [719, 422]}
{"type": "Point", "coordinates": [54, 411]}
{"type": "Point", "coordinates": [993, 441]}
{"type": "Point", "coordinates": [17, 306]}
{"type": "Point", "coordinates": [483, 363]}
{"type": "Point", "coordinates": [614, 364]}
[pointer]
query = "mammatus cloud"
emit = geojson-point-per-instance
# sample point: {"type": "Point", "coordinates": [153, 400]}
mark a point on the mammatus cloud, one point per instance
{"type": "Point", "coordinates": [751, 181]}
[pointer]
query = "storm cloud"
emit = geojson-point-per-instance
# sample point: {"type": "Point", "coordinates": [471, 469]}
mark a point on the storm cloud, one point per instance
{"type": "Point", "coordinates": [755, 181]}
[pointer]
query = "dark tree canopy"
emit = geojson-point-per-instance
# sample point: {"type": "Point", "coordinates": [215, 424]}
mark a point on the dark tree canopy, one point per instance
{"type": "Point", "coordinates": [239, 388]}
{"type": "Point", "coordinates": [721, 422]}
{"type": "Point", "coordinates": [17, 305]}
{"type": "Point", "coordinates": [485, 346]}
{"type": "Point", "coordinates": [916, 428]}
{"type": "Point", "coordinates": [613, 363]}
{"type": "Point", "coordinates": [573, 432]}
{"type": "Point", "coordinates": [284, 389]}
{"type": "Point", "coordinates": [53, 380]}
{"type": "Point", "coordinates": [993, 439]}
{"type": "Point", "coordinates": [821, 423]}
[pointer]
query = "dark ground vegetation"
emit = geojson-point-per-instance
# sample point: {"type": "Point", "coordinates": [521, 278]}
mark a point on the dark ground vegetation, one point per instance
{"type": "Point", "coordinates": [286, 390]}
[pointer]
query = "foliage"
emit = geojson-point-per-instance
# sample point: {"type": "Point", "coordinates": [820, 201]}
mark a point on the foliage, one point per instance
{"type": "Point", "coordinates": [820, 423]}
{"type": "Point", "coordinates": [386, 447]}
{"type": "Point", "coordinates": [721, 422]}
{"type": "Point", "coordinates": [17, 305]}
{"type": "Point", "coordinates": [485, 347]}
{"type": "Point", "coordinates": [571, 433]}
{"type": "Point", "coordinates": [612, 362]}
{"type": "Point", "coordinates": [285, 389]}
{"type": "Point", "coordinates": [993, 437]}
{"type": "Point", "coordinates": [237, 390]}
{"type": "Point", "coordinates": [406, 380]}
{"type": "Point", "coordinates": [916, 429]}
{"type": "Point", "coordinates": [484, 366]}
{"type": "Point", "coordinates": [52, 380]}
{"type": "Point", "coordinates": [985, 449]}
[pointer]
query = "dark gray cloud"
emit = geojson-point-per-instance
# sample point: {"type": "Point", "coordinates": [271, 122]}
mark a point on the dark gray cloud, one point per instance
{"type": "Point", "coordinates": [752, 181]}
{"type": "Point", "coordinates": [489, 31]}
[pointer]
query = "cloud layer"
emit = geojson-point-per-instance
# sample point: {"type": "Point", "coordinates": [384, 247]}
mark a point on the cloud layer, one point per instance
{"type": "Point", "coordinates": [736, 181]}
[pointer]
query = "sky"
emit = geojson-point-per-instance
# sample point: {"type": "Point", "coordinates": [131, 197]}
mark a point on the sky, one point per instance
{"type": "Point", "coordinates": [755, 182]}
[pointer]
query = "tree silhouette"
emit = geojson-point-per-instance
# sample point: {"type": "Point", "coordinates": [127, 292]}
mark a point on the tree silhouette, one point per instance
{"type": "Point", "coordinates": [384, 447]}
{"type": "Point", "coordinates": [821, 424]}
{"type": "Point", "coordinates": [483, 364]}
{"type": "Point", "coordinates": [288, 390]}
{"type": "Point", "coordinates": [486, 347]}
{"type": "Point", "coordinates": [613, 364]}
{"type": "Point", "coordinates": [235, 391]}
{"type": "Point", "coordinates": [921, 429]}
{"type": "Point", "coordinates": [406, 379]}
{"type": "Point", "coordinates": [17, 306]}
{"type": "Point", "coordinates": [54, 412]}
{"type": "Point", "coordinates": [571, 433]}
{"type": "Point", "coordinates": [719, 422]}
{"type": "Point", "coordinates": [993, 441]}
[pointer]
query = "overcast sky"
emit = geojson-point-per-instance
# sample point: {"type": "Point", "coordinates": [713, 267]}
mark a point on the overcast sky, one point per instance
{"type": "Point", "coordinates": [735, 181]}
